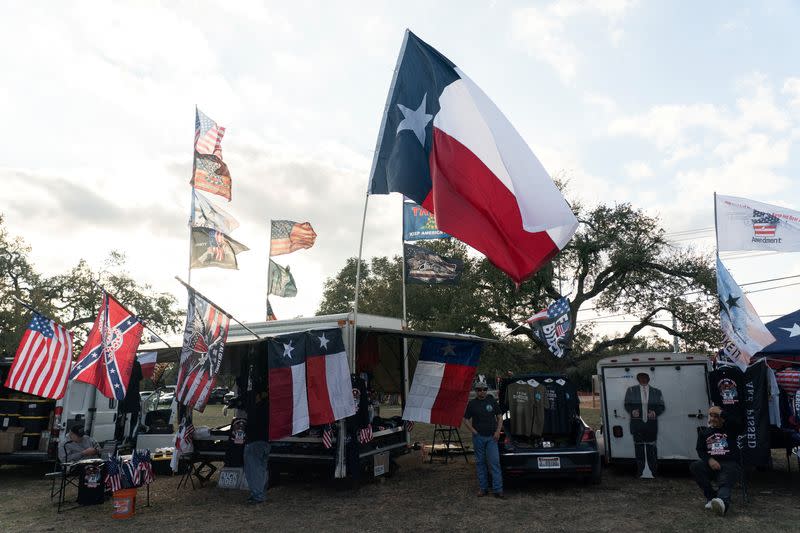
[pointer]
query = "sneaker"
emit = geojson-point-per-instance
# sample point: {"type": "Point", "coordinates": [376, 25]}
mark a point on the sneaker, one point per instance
{"type": "Point", "coordinates": [718, 506]}
{"type": "Point", "coordinates": [708, 505]}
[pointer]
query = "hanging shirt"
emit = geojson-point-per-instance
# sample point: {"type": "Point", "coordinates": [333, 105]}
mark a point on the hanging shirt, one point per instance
{"type": "Point", "coordinates": [727, 390]}
{"type": "Point", "coordinates": [539, 405]}
{"type": "Point", "coordinates": [774, 399]}
{"type": "Point", "coordinates": [521, 408]}
{"type": "Point", "coordinates": [561, 407]}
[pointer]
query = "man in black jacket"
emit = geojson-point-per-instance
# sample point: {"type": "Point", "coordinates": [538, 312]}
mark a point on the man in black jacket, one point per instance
{"type": "Point", "coordinates": [644, 404]}
{"type": "Point", "coordinates": [719, 460]}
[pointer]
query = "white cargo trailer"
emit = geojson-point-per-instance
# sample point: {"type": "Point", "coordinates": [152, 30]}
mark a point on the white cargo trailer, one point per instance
{"type": "Point", "coordinates": [683, 382]}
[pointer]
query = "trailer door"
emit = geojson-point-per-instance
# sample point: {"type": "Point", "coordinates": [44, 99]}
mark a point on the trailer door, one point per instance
{"type": "Point", "coordinates": [677, 433]}
{"type": "Point", "coordinates": [616, 381]}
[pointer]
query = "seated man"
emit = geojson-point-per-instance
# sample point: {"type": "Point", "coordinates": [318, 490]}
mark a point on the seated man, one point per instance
{"type": "Point", "coordinates": [79, 446]}
{"type": "Point", "coordinates": [719, 460]}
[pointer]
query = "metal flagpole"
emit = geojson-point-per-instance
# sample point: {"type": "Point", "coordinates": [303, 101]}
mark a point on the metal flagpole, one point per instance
{"type": "Point", "coordinates": [224, 312]}
{"type": "Point", "coordinates": [358, 282]}
{"type": "Point", "coordinates": [191, 214]}
{"type": "Point", "coordinates": [405, 313]}
{"type": "Point", "coordinates": [269, 274]}
{"type": "Point", "coordinates": [30, 308]}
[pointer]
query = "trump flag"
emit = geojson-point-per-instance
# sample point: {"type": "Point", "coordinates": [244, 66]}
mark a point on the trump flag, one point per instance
{"type": "Point", "coordinates": [201, 356]}
{"type": "Point", "coordinates": [288, 403]}
{"type": "Point", "coordinates": [442, 380]}
{"type": "Point", "coordinates": [107, 357]}
{"type": "Point", "coordinates": [444, 144]}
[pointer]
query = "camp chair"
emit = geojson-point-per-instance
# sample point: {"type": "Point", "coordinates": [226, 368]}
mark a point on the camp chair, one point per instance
{"type": "Point", "coordinates": [62, 476]}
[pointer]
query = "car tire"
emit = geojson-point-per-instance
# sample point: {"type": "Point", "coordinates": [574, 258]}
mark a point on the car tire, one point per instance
{"type": "Point", "coordinates": [597, 474]}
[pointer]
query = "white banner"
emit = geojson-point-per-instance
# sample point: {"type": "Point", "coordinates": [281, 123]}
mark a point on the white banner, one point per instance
{"type": "Point", "coordinates": [744, 224]}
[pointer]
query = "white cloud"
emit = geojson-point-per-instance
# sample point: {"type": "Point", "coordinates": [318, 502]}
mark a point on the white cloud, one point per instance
{"type": "Point", "coordinates": [791, 88]}
{"type": "Point", "coordinates": [605, 103]}
{"type": "Point", "coordinates": [544, 34]}
{"type": "Point", "coordinates": [638, 170]}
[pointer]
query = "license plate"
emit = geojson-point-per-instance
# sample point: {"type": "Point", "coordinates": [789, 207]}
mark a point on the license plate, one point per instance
{"type": "Point", "coordinates": [549, 462]}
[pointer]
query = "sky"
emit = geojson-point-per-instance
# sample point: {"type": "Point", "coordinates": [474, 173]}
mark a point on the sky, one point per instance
{"type": "Point", "coordinates": [654, 103]}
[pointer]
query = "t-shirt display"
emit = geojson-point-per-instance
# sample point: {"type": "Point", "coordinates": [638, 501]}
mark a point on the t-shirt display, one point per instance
{"type": "Point", "coordinates": [561, 406]}
{"type": "Point", "coordinates": [483, 415]}
{"type": "Point", "coordinates": [526, 403]}
{"type": "Point", "coordinates": [727, 388]}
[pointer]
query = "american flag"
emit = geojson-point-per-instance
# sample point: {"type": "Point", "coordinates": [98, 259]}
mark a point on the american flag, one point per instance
{"type": "Point", "coordinates": [409, 425]}
{"type": "Point", "coordinates": [113, 474]}
{"type": "Point", "coordinates": [216, 244]}
{"type": "Point", "coordinates": [764, 224]}
{"type": "Point", "coordinates": [42, 363]}
{"type": "Point", "coordinates": [184, 438]}
{"type": "Point", "coordinates": [365, 434]}
{"type": "Point", "coordinates": [203, 347]}
{"type": "Point", "coordinates": [327, 436]}
{"type": "Point", "coordinates": [270, 312]}
{"type": "Point", "coordinates": [289, 236]}
{"type": "Point", "coordinates": [207, 135]}
{"type": "Point", "coordinates": [788, 380]}
{"type": "Point", "coordinates": [557, 316]}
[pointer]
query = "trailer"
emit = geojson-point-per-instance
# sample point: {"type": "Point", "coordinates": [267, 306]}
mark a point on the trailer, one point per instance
{"type": "Point", "coordinates": [379, 347]}
{"type": "Point", "coordinates": [682, 380]}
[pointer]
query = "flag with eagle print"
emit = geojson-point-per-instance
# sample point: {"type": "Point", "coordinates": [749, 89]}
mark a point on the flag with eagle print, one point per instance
{"type": "Point", "coordinates": [203, 347]}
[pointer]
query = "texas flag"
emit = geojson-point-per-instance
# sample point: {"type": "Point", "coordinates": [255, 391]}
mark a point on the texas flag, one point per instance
{"type": "Point", "coordinates": [444, 144]}
{"type": "Point", "coordinates": [330, 393]}
{"type": "Point", "coordinates": [148, 361]}
{"type": "Point", "coordinates": [288, 404]}
{"type": "Point", "coordinates": [442, 380]}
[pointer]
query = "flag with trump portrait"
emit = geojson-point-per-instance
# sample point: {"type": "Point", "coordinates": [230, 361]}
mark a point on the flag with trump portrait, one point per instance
{"type": "Point", "coordinates": [203, 348]}
{"type": "Point", "coordinates": [106, 360]}
{"type": "Point", "coordinates": [212, 248]}
{"type": "Point", "coordinates": [42, 363]}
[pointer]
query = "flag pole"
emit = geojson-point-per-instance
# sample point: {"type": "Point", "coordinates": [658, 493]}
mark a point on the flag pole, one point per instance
{"type": "Point", "coordinates": [191, 214]}
{"type": "Point", "coordinates": [269, 275]}
{"type": "Point", "coordinates": [358, 281]}
{"type": "Point", "coordinates": [405, 312]}
{"type": "Point", "coordinates": [716, 229]}
{"type": "Point", "coordinates": [30, 308]}
{"type": "Point", "coordinates": [142, 322]}
{"type": "Point", "coordinates": [224, 312]}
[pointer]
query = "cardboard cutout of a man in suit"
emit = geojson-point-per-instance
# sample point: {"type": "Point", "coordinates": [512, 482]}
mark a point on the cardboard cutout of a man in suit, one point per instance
{"type": "Point", "coordinates": [644, 404]}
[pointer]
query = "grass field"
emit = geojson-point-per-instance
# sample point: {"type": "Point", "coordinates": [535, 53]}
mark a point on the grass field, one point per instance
{"type": "Point", "coordinates": [423, 497]}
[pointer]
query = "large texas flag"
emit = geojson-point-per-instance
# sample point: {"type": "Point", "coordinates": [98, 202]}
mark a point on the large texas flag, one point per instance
{"type": "Point", "coordinates": [444, 144]}
{"type": "Point", "coordinates": [442, 380]}
{"type": "Point", "coordinates": [330, 392]}
{"type": "Point", "coordinates": [288, 403]}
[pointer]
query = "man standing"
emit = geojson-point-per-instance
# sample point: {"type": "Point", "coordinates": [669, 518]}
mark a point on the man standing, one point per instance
{"type": "Point", "coordinates": [256, 449]}
{"type": "Point", "coordinates": [644, 404]}
{"type": "Point", "coordinates": [484, 420]}
{"type": "Point", "coordinates": [719, 459]}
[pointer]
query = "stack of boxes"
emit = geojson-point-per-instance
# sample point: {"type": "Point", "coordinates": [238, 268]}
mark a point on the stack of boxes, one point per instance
{"type": "Point", "coordinates": [25, 423]}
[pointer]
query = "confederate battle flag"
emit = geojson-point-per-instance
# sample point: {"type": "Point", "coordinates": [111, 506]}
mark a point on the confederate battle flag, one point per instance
{"type": "Point", "coordinates": [107, 357]}
{"type": "Point", "coordinates": [201, 357]}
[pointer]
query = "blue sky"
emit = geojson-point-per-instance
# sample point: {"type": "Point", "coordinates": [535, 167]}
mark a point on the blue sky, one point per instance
{"type": "Point", "coordinates": [655, 103]}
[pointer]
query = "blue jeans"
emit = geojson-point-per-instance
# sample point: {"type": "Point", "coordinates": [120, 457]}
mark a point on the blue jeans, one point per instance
{"type": "Point", "coordinates": [256, 472]}
{"type": "Point", "coordinates": [487, 456]}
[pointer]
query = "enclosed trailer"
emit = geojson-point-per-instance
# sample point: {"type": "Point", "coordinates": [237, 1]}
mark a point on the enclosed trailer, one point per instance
{"type": "Point", "coordinates": [380, 346]}
{"type": "Point", "coordinates": [682, 380]}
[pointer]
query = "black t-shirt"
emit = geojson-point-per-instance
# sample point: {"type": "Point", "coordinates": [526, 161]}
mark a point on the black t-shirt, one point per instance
{"type": "Point", "coordinates": [132, 401]}
{"type": "Point", "coordinates": [258, 419]}
{"type": "Point", "coordinates": [727, 387]}
{"type": "Point", "coordinates": [718, 443]}
{"type": "Point", "coordinates": [483, 415]}
{"type": "Point", "coordinates": [561, 408]}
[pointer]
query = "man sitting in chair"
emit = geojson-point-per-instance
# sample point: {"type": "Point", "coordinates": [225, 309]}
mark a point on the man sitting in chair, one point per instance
{"type": "Point", "coordinates": [719, 460]}
{"type": "Point", "coordinates": [80, 446]}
